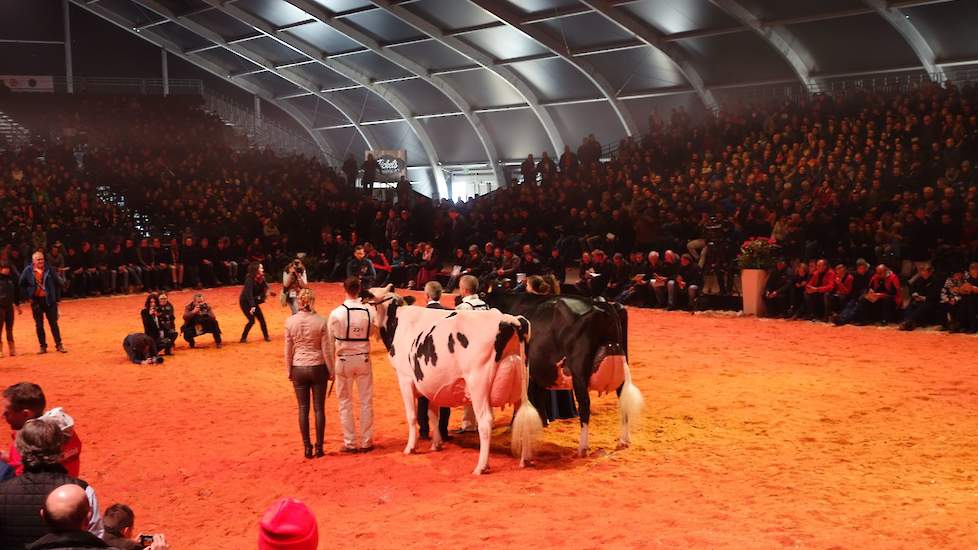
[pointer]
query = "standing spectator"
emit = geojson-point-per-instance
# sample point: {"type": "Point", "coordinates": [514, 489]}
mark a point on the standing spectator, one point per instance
{"type": "Point", "coordinates": [349, 348]}
{"type": "Point", "coordinates": [360, 267]}
{"type": "Point", "coordinates": [253, 295]}
{"type": "Point", "coordinates": [41, 284]}
{"type": "Point", "coordinates": [307, 346]}
{"type": "Point", "coordinates": [370, 169]}
{"type": "Point", "coordinates": [21, 498]}
{"type": "Point", "coordinates": [433, 291]}
{"type": "Point", "coordinates": [293, 281]}
{"type": "Point", "coordinates": [9, 299]}
{"type": "Point", "coordinates": [25, 401]}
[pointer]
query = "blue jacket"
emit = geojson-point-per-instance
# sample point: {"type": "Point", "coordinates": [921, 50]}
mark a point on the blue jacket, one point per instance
{"type": "Point", "coordinates": [52, 289]}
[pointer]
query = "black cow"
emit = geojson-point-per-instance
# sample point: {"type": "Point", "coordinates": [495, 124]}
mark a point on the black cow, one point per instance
{"type": "Point", "coordinates": [577, 340]}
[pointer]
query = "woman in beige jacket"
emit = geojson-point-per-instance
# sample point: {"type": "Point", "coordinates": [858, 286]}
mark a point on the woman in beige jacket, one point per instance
{"type": "Point", "coordinates": [306, 350]}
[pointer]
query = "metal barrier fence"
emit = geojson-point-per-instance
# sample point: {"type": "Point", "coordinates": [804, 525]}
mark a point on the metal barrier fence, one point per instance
{"type": "Point", "coordinates": [136, 86]}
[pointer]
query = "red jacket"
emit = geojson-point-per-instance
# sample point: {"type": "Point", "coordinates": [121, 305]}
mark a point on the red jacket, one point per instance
{"type": "Point", "coordinates": [843, 286]}
{"type": "Point", "coordinates": [887, 284]}
{"type": "Point", "coordinates": [826, 284]}
{"type": "Point", "coordinates": [70, 455]}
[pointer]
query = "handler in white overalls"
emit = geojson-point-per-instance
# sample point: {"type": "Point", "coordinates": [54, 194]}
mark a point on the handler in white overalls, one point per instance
{"type": "Point", "coordinates": [349, 330]}
{"type": "Point", "coordinates": [468, 287]}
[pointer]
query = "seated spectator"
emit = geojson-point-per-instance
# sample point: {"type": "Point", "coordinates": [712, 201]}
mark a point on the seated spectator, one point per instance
{"type": "Point", "coordinates": [288, 524]}
{"type": "Point", "coordinates": [796, 309]}
{"type": "Point", "coordinates": [687, 284]}
{"type": "Point", "coordinates": [859, 286]}
{"type": "Point", "coordinates": [146, 261]}
{"type": "Point", "coordinates": [199, 319]}
{"type": "Point", "coordinates": [130, 258]}
{"type": "Point", "coordinates": [327, 255]}
{"type": "Point", "coordinates": [841, 289]}
{"type": "Point", "coordinates": [206, 268]}
{"type": "Point", "coordinates": [777, 289]}
{"type": "Point", "coordinates": [429, 264]}
{"type": "Point", "coordinates": [925, 300]}
{"type": "Point", "coordinates": [818, 290]}
{"type": "Point", "coordinates": [66, 514]}
{"type": "Point", "coordinates": [382, 268]}
{"type": "Point", "coordinates": [619, 275]}
{"type": "Point", "coordinates": [953, 315]}
{"type": "Point", "coordinates": [23, 402]}
{"type": "Point", "coordinates": [141, 349]}
{"type": "Point", "coordinates": [968, 307]}
{"type": "Point", "coordinates": [881, 300]}
{"type": "Point", "coordinates": [39, 443]}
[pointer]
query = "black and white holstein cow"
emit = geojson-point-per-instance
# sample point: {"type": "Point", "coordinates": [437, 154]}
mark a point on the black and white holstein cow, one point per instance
{"type": "Point", "coordinates": [457, 357]}
{"type": "Point", "coordinates": [579, 344]}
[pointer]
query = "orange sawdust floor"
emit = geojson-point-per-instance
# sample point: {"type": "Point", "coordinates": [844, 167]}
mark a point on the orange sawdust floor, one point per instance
{"type": "Point", "coordinates": [757, 433]}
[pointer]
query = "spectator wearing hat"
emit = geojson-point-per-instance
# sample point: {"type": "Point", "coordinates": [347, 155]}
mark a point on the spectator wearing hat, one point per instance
{"type": "Point", "coordinates": [288, 524]}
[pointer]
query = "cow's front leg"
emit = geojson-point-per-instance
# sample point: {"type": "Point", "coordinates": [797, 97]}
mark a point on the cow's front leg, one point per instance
{"type": "Point", "coordinates": [483, 415]}
{"type": "Point", "coordinates": [582, 446]}
{"type": "Point", "coordinates": [410, 411]}
{"type": "Point", "coordinates": [434, 418]}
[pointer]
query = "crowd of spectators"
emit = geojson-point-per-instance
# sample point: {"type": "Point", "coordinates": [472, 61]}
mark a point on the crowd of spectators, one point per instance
{"type": "Point", "coordinates": [162, 200]}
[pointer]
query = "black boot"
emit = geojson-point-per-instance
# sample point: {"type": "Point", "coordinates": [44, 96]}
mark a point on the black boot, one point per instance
{"type": "Point", "coordinates": [308, 451]}
{"type": "Point", "coordinates": [319, 450]}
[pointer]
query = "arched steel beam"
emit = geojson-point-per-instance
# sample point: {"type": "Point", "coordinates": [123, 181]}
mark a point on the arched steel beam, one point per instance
{"type": "Point", "coordinates": [439, 83]}
{"type": "Point", "coordinates": [657, 41]}
{"type": "Point", "coordinates": [779, 37]}
{"type": "Point", "coordinates": [510, 76]}
{"type": "Point", "coordinates": [252, 57]}
{"type": "Point", "coordinates": [911, 34]}
{"type": "Point", "coordinates": [152, 37]}
{"type": "Point", "coordinates": [390, 96]}
{"type": "Point", "coordinates": [506, 15]}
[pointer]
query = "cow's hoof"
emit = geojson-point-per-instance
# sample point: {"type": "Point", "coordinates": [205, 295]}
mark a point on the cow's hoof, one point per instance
{"type": "Point", "coordinates": [527, 464]}
{"type": "Point", "coordinates": [479, 472]}
{"type": "Point", "coordinates": [582, 453]}
{"type": "Point", "coordinates": [622, 446]}
{"type": "Point", "coordinates": [408, 450]}
{"type": "Point", "coordinates": [436, 446]}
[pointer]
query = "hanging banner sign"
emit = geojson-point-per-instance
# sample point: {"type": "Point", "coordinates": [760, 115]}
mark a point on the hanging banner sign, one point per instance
{"type": "Point", "coordinates": [28, 83]}
{"type": "Point", "coordinates": [392, 162]}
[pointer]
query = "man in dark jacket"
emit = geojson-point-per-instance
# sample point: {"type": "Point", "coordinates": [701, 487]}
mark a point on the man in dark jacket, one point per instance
{"type": "Point", "coordinates": [39, 444]}
{"type": "Point", "coordinates": [9, 298]}
{"type": "Point", "coordinates": [433, 291]}
{"type": "Point", "coordinates": [119, 521]}
{"type": "Point", "coordinates": [777, 290]}
{"type": "Point", "coordinates": [925, 299]}
{"type": "Point", "coordinates": [66, 513]}
{"type": "Point", "coordinates": [41, 284]}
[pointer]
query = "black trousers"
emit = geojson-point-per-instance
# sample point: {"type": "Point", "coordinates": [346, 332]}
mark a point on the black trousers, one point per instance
{"type": "Point", "coordinates": [41, 309]}
{"type": "Point", "coordinates": [251, 321]}
{"type": "Point", "coordinates": [443, 414]}
{"type": "Point", "coordinates": [310, 382]}
{"type": "Point", "coordinates": [208, 325]}
{"type": "Point", "coordinates": [7, 321]}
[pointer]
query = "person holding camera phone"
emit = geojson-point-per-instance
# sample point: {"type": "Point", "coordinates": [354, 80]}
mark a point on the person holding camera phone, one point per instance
{"type": "Point", "coordinates": [294, 279]}
{"type": "Point", "coordinates": [154, 323]}
{"type": "Point", "coordinates": [199, 319]}
{"type": "Point", "coordinates": [253, 294]}
{"type": "Point", "coordinates": [118, 521]}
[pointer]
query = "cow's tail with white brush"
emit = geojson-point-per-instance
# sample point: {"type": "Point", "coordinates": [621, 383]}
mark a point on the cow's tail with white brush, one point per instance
{"type": "Point", "coordinates": [527, 425]}
{"type": "Point", "coordinates": [630, 404]}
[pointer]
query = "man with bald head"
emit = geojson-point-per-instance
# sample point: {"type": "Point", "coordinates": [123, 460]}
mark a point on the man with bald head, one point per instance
{"type": "Point", "coordinates": [66, 513]}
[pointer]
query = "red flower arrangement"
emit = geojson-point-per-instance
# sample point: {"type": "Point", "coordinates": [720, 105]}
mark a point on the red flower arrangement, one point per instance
{"type": "Point", "coordinates": [758, 253]}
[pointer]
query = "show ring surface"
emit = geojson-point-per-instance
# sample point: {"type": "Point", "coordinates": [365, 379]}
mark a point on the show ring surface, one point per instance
{"type": "Point", "coordinates": [756, 433]}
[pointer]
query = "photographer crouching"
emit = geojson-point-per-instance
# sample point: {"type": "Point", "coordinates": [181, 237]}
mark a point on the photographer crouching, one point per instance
{"type": "Point", "coordinates": [119, 521]}
{"type": "Point", "coordinates": [199, 319]}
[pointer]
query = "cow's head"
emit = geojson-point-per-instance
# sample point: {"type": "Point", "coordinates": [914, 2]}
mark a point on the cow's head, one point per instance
{"type": "Point", "coordinates": [386, 302]}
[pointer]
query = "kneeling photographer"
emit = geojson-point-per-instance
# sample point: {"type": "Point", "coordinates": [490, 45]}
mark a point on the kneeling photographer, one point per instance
{"type": "Point", "coordinates": [141, 349]}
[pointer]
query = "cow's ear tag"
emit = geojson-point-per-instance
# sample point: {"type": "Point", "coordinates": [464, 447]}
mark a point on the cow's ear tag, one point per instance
{"type": "Point", "coordinates": [409, 300]}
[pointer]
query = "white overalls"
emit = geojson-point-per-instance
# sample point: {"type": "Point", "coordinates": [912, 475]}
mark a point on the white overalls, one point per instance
{"type": "Point", "coordinates": [471, 302]}
{"type": "Point", "coordinates": [349, 327]}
